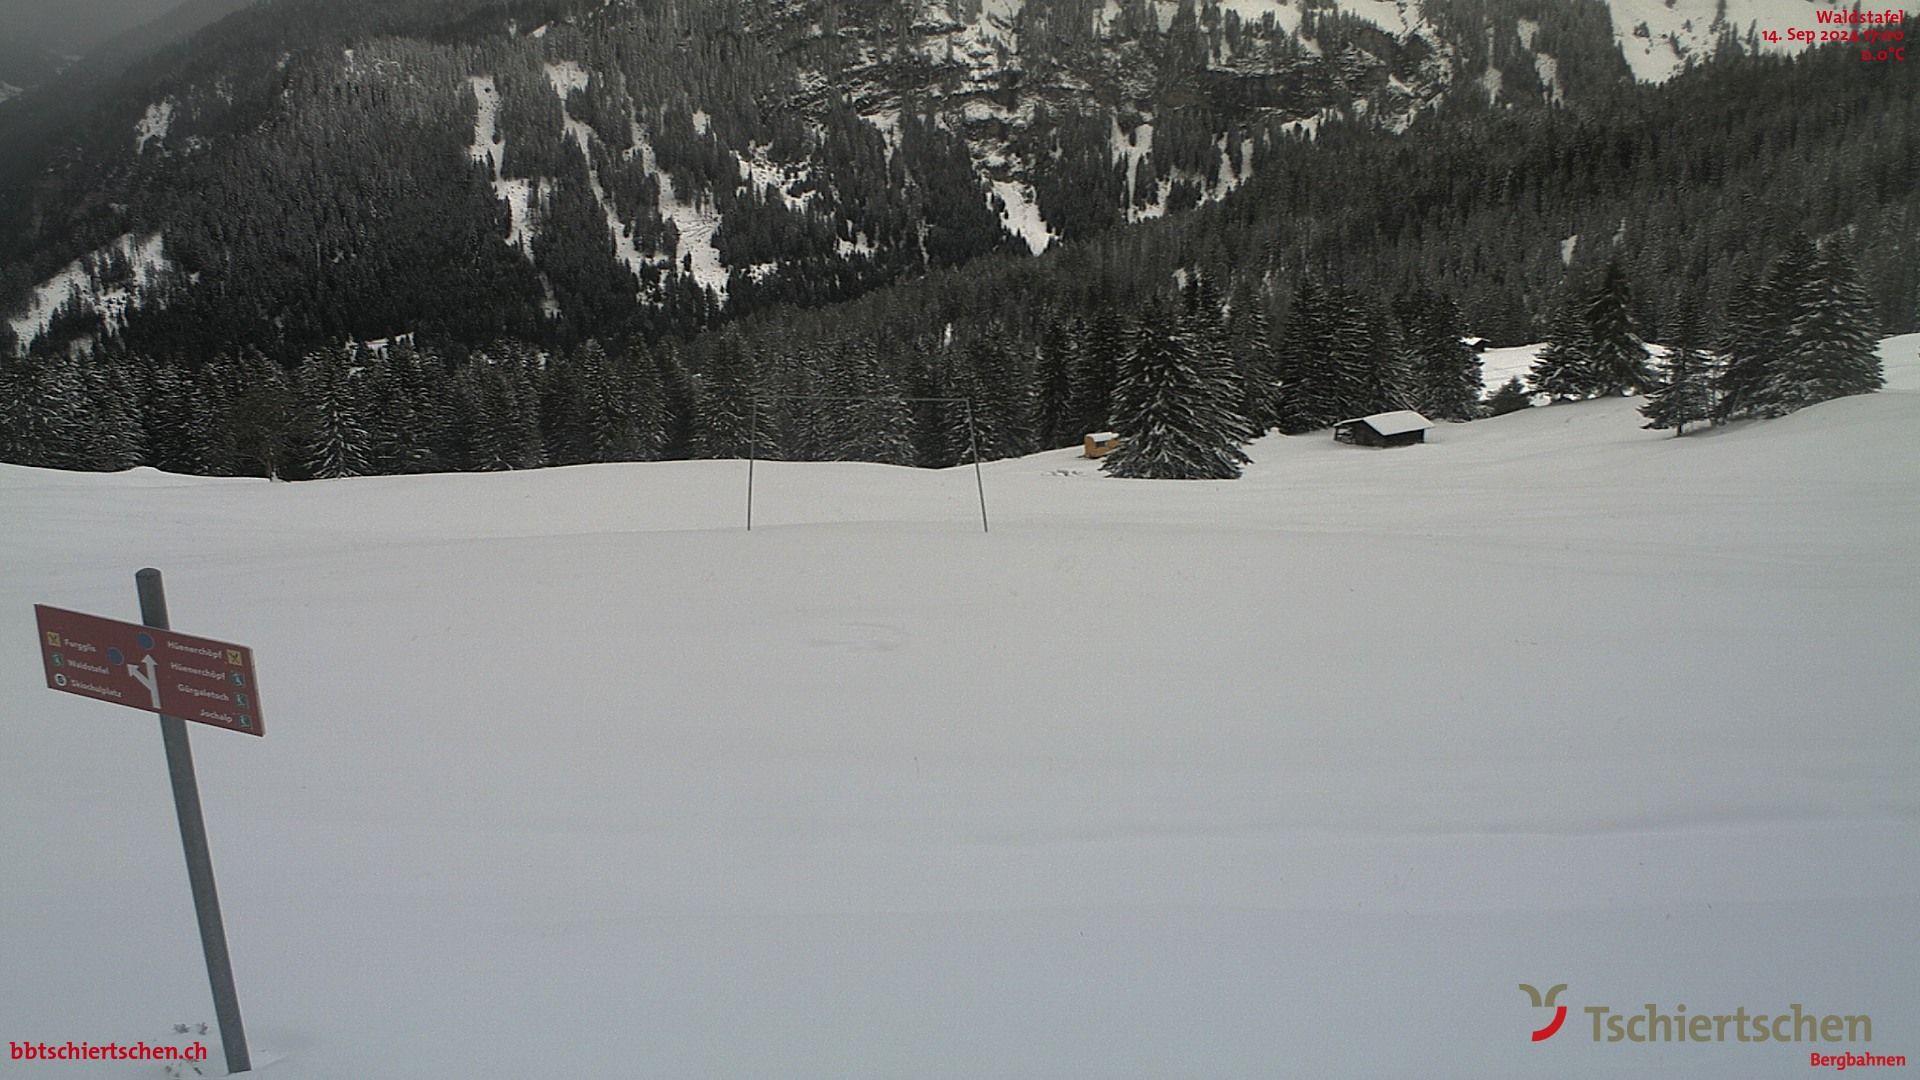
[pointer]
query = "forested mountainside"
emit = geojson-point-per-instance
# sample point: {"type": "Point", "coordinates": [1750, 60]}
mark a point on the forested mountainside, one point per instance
{"type": "Point", "coordinates": [461, 236]}
{"type": "Point", "coordinates": [552, 170]}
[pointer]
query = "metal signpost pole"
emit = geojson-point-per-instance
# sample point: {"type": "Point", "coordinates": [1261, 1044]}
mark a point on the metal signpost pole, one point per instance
{"type": "Point", "coordinates": [193, 837]}
{"type": "Point", "coordinates": [753, 436]}
{"type": "Point", "coordinates": [974, 441]}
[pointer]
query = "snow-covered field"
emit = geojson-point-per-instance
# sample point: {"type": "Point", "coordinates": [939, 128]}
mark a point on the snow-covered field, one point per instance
{"type": "Point", "coordinates": [567, 775]}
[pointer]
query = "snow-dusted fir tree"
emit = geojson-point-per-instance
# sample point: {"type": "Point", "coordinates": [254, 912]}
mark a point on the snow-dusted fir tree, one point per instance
{"type": "Point", "coordinates": [725, 410]}
{"type": "Point", "coordinates": [1563, 370]}
{"type": "Point", "coordinates": [60, 432]}
{"type": "Point", "coordinates": [1685, 394]}
{"type": "Point", "coordinates": [1512, 396]}
{"type": "Point", "coordinates": [1829, 350]}
{"type": "Point", "coordinates": [263, 415]}
{"type": "Point", "coordinates": [120, 441]}
{"type": "Point", "coordinates": [1764, 323]}
{"type": "Point", "coordinates": [337, 438]}
{"type": "Point", "coordinates": [1311, 393]}
{"type": "Point", "coordinates": [1055, 360]}
{"type": "Point", "coordinates": [1177, 406]}
{"type": "Point", "coordinates": [1250, 344]}
{"type": "Point", "coordinates": [873, 423]}
{"type": "Point", "coordinates": [1444, 370]}
{"type": "Point", "coordinates": [1748, 345]}
{"type": "Point", "coordinates": [1616, 356]}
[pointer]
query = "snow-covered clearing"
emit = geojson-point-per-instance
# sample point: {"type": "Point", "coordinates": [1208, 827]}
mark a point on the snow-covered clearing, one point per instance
{"type": "Point", "coordinates": [566, 77]}
{"type": "Point", "coordinates": [1690, 23]}
{"type": "Point", "coordinates": [154, 125]}
{"type": "Point", "coordinates": [1300, 775]}
{"type": "Point", "coordinates": [92, 283]}
{"type": "Point", "coordinates": [1020, 214]}
{"type": "Point", "coordinates": [695, 221]}
{"type": "Point", "coordinates": [490, 146]}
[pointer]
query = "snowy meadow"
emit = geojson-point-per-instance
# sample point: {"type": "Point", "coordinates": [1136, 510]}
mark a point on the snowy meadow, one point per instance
{"type": "Point", "coordinates": [569, 775]}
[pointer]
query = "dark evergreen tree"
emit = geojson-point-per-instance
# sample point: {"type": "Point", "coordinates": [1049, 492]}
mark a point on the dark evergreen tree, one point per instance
{"type": "Point", "coordinates": [1750, 344]}
{"type": "Point", "coordinates": [1057, 359]}
{"type": "Point", "coordinates": [1444, 370]}
{"type": "Point", "coordinates": [403, 421]}
{"type": "Point", "coordinates": [1792, 290]}
{"type": "Point", "coordinates": [119, 440]}
{"type": "Point", "coordinates": [1382, 375]}
{"type": "Point", "coordinates": [1250, 344]}
{"type": "Point", "coordinates": [727, 386]}
{"type": "Point", "coordinates": [1830, 349]}
{"type": "Point", "coordinates": [1100, 343]}
{"type": "Point", "coordinates": [1512, 396]}
{"type": "Point", "coordinates": [337, 441]}
{"type": "Point", "coordinates": [59, 432]}
{"type": "Point", "coordinates": [1617, 358]}
{"type": "Point", "coordinates": [1685, 394]}
{"type": "Point", "coordinates": [1564, 368]}
{"type": "Point", "coordinates": [1177, 408]}
{"type": "Point", "coordinates": [17, 409]}
{"type": "Point", "coordinates": [505, 425]}
{"type": "Point", "coordinates": [1311, 392]}
{"type": "Point", "coordinates": [263, 418]}
{"type": "Point", "coordinates": [867, 420]}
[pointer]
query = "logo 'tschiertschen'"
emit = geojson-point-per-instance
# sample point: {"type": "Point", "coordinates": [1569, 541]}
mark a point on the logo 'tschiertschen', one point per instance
{"type": "Point", "coordinates": [1559, 1011]}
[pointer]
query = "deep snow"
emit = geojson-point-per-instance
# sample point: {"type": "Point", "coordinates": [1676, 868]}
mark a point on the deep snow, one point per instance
{"type": "Point", "coordinates": [1299, 775]}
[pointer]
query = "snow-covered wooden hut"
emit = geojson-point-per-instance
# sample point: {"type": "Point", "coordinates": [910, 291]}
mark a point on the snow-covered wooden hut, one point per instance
{"type": "Point", "coordinates": [1101, 443]}
{"type": "Point", "coordinates": [1402, 428]}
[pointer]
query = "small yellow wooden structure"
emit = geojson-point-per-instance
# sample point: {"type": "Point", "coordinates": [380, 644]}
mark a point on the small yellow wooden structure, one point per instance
{"type": "Point", "coordinates": [1100, 443]}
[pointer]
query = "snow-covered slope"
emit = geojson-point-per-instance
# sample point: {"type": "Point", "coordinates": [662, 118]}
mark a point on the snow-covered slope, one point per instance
{"type": "Point", "coordinates": [109, 282]}
{"type": "Point", "coordinates": [567, 775]}
{"type": "Point", "coordinates": [1659, 37]}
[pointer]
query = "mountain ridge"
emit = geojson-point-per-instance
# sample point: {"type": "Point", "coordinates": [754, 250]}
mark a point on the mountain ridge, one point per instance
{"type": "Point", "coordinates": [636, 171]}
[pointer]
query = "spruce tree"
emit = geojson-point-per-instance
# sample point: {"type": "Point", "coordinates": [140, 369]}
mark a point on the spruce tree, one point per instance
{"type": "Point", "coordinates": [1250, 343]}
{"type": "Point", "coordinates": [1176, 409]}
{"type": "Point", "coordinates": [634, 380]}
{"type": "Point", "coordinates": [1618, 358]}
{"type": "Point", "coordinates": [1685, 394]}
{"type": "Point", "coordinates": [121, 442]}
{"type": "Point", "coordinates": [403, 416]}
{"type": "Point", "coordinates": [337, 441]}
{"type": "Point", "coordinates": [1563, 370]}
{"type": "Point", "coordinates": [1512, 396]}
{"type": "Point", "coordinates": [727, 385]}
{"type": "Point", "coordinates": [16, 410]}
{"type": "Point", "coordinates": [1311, 395]}
{"type": "Point", "coordinates": [1830, 348]}
{"type": "Point", "coordinates": [1750, 343]}
{"type": "Point", "coordinates": [1100, 344]}
{"type": "Point", "coordinates": [1792, 291]}
{"type": "Point", "coordinates": [1444, 370]}
{"type": "Point", "coordinates": [872, 422]}
{"type": "Point", "coordinates": [60, 430]}
{"type": "Point", "coordinates": [263, 414]}
{"type": "Point", "coordinates": [1056, 361]}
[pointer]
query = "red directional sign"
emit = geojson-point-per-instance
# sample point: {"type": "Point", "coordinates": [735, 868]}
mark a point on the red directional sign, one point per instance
{"type": "Point", "coordinates": [144, 667]}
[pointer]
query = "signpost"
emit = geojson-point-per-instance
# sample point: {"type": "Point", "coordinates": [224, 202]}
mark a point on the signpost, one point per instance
{"type": "Point", "coordinates": [150, 668]}
{"type": "Point", "coordinates": [146, 666]}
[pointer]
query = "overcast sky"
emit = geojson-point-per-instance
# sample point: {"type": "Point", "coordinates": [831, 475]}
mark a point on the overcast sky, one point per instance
{"type": "Point", "coordinates": [75, 25]}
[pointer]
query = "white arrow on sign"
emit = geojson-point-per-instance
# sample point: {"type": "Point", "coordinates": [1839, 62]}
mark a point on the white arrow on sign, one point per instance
{"type": "Point", "coordinates": [148, 680]}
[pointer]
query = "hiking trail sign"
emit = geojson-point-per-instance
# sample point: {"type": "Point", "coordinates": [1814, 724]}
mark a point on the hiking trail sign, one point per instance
{"type": "Point", "coordinates": [146, 666]}
{"type": "Point", "coordinates": [151, 669]}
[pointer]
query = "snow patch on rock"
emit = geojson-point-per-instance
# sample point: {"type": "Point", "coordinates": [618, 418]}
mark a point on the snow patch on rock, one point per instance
{"type": "Point", "coordinates": [110, 281]}
{"type": "Point", "coordinates": [154, 125]}
{"type": "Point", "coordinates": [1020, 214]}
